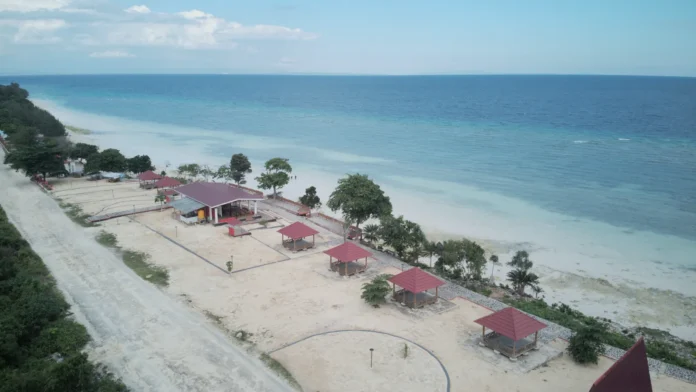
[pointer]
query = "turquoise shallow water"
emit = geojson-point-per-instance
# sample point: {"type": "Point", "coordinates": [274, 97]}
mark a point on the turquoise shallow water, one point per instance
{"type": "Point", "coordinates": [614, 149]}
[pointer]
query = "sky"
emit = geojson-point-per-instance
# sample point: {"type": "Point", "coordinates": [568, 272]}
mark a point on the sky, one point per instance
{"type": "Point", "coordinates": [617, 37]}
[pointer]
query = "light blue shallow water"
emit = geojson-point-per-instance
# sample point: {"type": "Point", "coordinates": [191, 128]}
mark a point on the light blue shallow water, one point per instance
{"type": "Point", "coordinates": [614, 149]}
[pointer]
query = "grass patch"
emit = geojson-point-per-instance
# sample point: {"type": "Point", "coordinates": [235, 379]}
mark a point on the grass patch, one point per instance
{"type": "Point", "coordinates": [280, 370]}
{"type": "Point", "coordinates": [107, 239]}
{"type": "Point", "coordinates": [75, 213]}
{"type": "Point", "coordinates": [81, 131]}
{"type": "Point", "coordinates": [214, 318]}
{"type": "Point", "coordinates": [137, 261]}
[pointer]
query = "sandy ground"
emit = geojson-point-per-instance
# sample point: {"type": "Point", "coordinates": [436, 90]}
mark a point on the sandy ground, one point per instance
{"type": "Point", "coordinates": [289, 297]}
{"type": "Point", "coordinates": [145, 336]}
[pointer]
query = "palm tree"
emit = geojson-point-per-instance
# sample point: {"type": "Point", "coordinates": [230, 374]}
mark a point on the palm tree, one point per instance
{"type": "Point", "coordinates": [374, 292]}
{"type": "Point", "coordinates": [537, 290]}
{"type": "Point", "coordinates": [494, 260]}
{"type": "Point", "coordinates": [521, 278]}
{"type": "Point", "coordinates": [371, 233]}
{"type": "Point", "coordinates": [432, 248]}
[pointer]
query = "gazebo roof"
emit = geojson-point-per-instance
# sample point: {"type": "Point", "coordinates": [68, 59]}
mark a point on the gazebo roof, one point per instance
{"type": "Point", "coordinates": [347, 252]}
{"type": "Point", "coordinates": [167, 182]}
{"type": "Point", "coordinates": [511, 323]}
{"type": "Point", "coordinates": [416, 280]}
{"type": "Point", "coordinates": [215, 194]}
{"type": "Point", "coordinates": [629, 373]}
{"type": "Point", "coordinates": [148, 176]}
{"type": "Point", "coordinates": [297, 230]}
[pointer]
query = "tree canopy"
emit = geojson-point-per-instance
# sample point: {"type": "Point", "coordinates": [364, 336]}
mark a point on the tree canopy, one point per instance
{"type": "Point", "coordinates": [139, 164]}
{"type": "Point", "coordinates": [83, 150]}
{"type": "Point", "coordinates": [585, 346]}
{"type": "Point", "coordinates": [374, 292]}
{"type": "Point", "coordinates": [310, 198]}
{"type": "Point", "coordinates": [359, 198]}
{"type": "Point", "coordinates": [111, 160]}
{"type": "Point", "coordinates": [277, 175]}
{"type": "Point", "coordinates": [400, 234]}
{"type": "Point", "coordinates": [190, 170]}
{"type": "Point", "coordinates": [18, 113]}
{"type": "Point", "coordinates": [239, 168]}
{"type": "Point", "coordinates": [43, 156]}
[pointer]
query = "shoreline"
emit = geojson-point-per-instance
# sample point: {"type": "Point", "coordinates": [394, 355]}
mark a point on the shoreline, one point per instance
{"type": "Point", "coordinates": [573, 267]}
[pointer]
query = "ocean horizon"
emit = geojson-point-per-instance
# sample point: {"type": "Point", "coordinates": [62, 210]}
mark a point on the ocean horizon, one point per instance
{"type": "Point", "coordinates": [593, 174]}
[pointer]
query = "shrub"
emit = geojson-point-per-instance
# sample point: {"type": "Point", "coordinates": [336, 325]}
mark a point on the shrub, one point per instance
{"type": "Point", "coordinates": [585, 346]}
{"type": "Point", "coordinates": [374, 292]}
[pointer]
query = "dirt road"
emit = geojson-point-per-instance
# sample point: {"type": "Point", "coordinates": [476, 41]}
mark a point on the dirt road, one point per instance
{"type": "Point", "coordinates": [147, 338]}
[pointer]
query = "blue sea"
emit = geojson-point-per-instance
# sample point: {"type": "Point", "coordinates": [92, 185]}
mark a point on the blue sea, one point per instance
{"type": "Point", "coordinates": [597, 173]}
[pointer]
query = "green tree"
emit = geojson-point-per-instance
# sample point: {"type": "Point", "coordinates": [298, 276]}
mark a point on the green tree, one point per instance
{"type": "Point", "coordinates": [310, 198]}
{"type": "Point", "coordinates": [359, 198]}
{"type": "Point", "coordinates": [371, 233]}
{"type": "Point", "coordinates": [111, 160]}
{"type": "Point", "coordinates": [451, 255]}
{"type": "Point", "coordinates": [585, 346]}
{"type": "Point", "coordinates": [240, 167]}
{"type": "Point", "coordinates": [400, 234]}
{"type": "Point", "coordinates": [375, 292]}
{"type": "Point", "coordinates": [18, 113]}
{"type": "Point", "coordinates": [160, 198]}
{"type": "Point", "coordinates": [521, 260]}
{"type": "Point", "coordinates": [42, 157]}
{"type": "Point", "coordinates": [475, 259]}
{"type": "Point", "coordinates": [277, 175]}
{"type": "Point", "coordinates": [223, 173]}
{"type": "Point", "coordinates": [189, 170]}
{"type": "Point", "coordinates": [92, 165]}
{"type": "Point", "coordinates": [521, 278]}
{"type": "Point", "coordinates": [431, 248]}
{"type": "Point", "coordinates": [139, 164]}
{"type": "Point", "coordinates": [83, 150]}
{"type": "Point", "coordinates": [206, 172]}
{"type": "Point", "coordinates": [494, 260]}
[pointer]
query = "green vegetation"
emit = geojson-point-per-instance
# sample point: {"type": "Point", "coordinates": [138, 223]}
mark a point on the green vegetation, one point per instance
{"type": "Point", "coordinates": [405, 350]}
{"type": "Point", "coordinates": [310, 198]}
{"type": "Point", "coordinates": [138, 164]}
{"type": "Point", "coordinates": [81, 131]}
{"type": "Point", "coordinates": [239, 168]}
{"type": "Point", "coordinates": [277, 175]}
{"type": "Point", "coordinates": [137, 261]}
{"type": "Point", "coordinates": [75, 213]}
{"type": "Point", "coordinates": [401, 235]}
{"type": "Point", "coordinates": [585, 346]}
{"type": "Point", "coordinates": [359, 199]}
{"type": "Point", "coordinates": [520, 277]}
{"type": "Point", "coordinates": [40, 348]}
{"type": "Point", "coordinates": [374, 292]}
{"type": "Point", "coordinates": [83, 151]}
{"type": "Point", "coordinates": [280, 370]}
{"type": "Point", "coordinates": [107, 239]}
{"type": "Point", "coordinates": [19, 114]}
{"type": "Point", "coordinates": [189, 170]}
{"type": "Point", "coordinates": [110, 160]}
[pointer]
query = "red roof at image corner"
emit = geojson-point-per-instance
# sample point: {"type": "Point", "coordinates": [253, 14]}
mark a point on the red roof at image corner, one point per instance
{"type": "Point", "coordinates": [347, 252]}
{"type": "Point", "coordinates": [167, 182]}
{"type": "Point", "coordinates": [297, 230]}
{"type": "Point", "coordinates": [213, 194]}
{"type": "Point", "coordinates": [148, 176]}
{"type": "Point", "coordinates": [416, 280]}
{"type": "Point", "coordinates": [629, 374]}
{"type": "Point", "coordinates": [511, 323]}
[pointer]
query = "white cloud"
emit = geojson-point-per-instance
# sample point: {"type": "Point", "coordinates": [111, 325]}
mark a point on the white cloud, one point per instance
{"type": "Point", "coordinates": [110, 54]}
{"type": "Point", "coordinates": [39, 31]}
{"type": "Point", "coordinates": [138, 9]}
{"type": "Point", "coordinates": [194, 14]}
{"type": "Point", "coordinates": [32, 5]}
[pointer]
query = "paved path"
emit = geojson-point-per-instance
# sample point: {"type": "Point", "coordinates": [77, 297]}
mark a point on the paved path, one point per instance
{"type": "Point", "coordinates": [144, 336]}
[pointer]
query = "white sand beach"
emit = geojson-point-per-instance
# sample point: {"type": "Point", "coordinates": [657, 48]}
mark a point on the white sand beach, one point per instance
{"type": "Point", "coordinates": [312, 320]}
{"type": "Point", "coordinates": [585, 272]}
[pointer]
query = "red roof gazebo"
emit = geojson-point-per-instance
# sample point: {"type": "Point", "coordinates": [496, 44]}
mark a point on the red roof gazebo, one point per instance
{"type": "Point", "coordinates": [629, 374]}
{"type": "Point", "coordinates": [510, 330]}
{"type": "Point", "coordinates": [148, 176]}
{"type": "Point", "coordinates": [297, 232]}
{"type": "Point", "coordinates": [167, 182]}
{"type": "Point", "coordinates": [347, 253]}
{"type": "Point", "coordinates": [415, 284]}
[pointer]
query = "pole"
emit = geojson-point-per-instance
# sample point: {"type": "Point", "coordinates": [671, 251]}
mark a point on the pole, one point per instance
{"type": "Point", "coordinates": [371, 351]}
{"type": "Point", "coordinates": [176, 228]}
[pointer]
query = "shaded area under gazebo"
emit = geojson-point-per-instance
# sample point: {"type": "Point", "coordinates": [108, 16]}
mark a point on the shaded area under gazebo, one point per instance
{"type": "Point", "coordinates": [415, 284]}
{"type": "Point", "coordinates": [511, 328]}
{"type": "Point", "coordinates": [347, 254]}
{"type": "Point", "coordinates": [296, 234]}
{"type": "Point", "coordinates": [630, 373]}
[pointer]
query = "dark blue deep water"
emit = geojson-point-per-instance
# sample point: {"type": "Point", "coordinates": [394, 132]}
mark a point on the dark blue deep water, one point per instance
{"type": "Point", "coordinates": [619, 150]}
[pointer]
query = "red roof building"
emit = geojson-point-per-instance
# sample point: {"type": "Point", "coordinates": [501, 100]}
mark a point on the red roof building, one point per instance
{"type": "Point", "coordinates": [222, 200]}
{"type": "Point", "coordinates": [297, 232]}
{"type": "Point", "coordinates": [629, 374]}
{"type": "Point", "coordinates": [167, 182]}
{"type": "Point", "coordinates": [413, 282]}
{"type": "Point", "coordinates": [149, 176]}
{"type": "Point", "coordinates": [510, 328]}
{"type": "Point", "coordinates": [347, 253]}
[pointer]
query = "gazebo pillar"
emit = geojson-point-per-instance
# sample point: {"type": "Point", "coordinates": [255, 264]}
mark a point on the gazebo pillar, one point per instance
{"type": "Point", "coordinates": [210, 212]}
{"type": "Point", "coordinates": [536, 338]}
{"type": "Point", "coordinates": [312, 240]}
{"type": "Point", "coordinates": [256, 203]}
{"type": "Point", "coordinates": [294, 242]}
{"type": "Point", "coordinates": [436, 294]}
{"type": "Point", "coordinates": [483, 333]}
